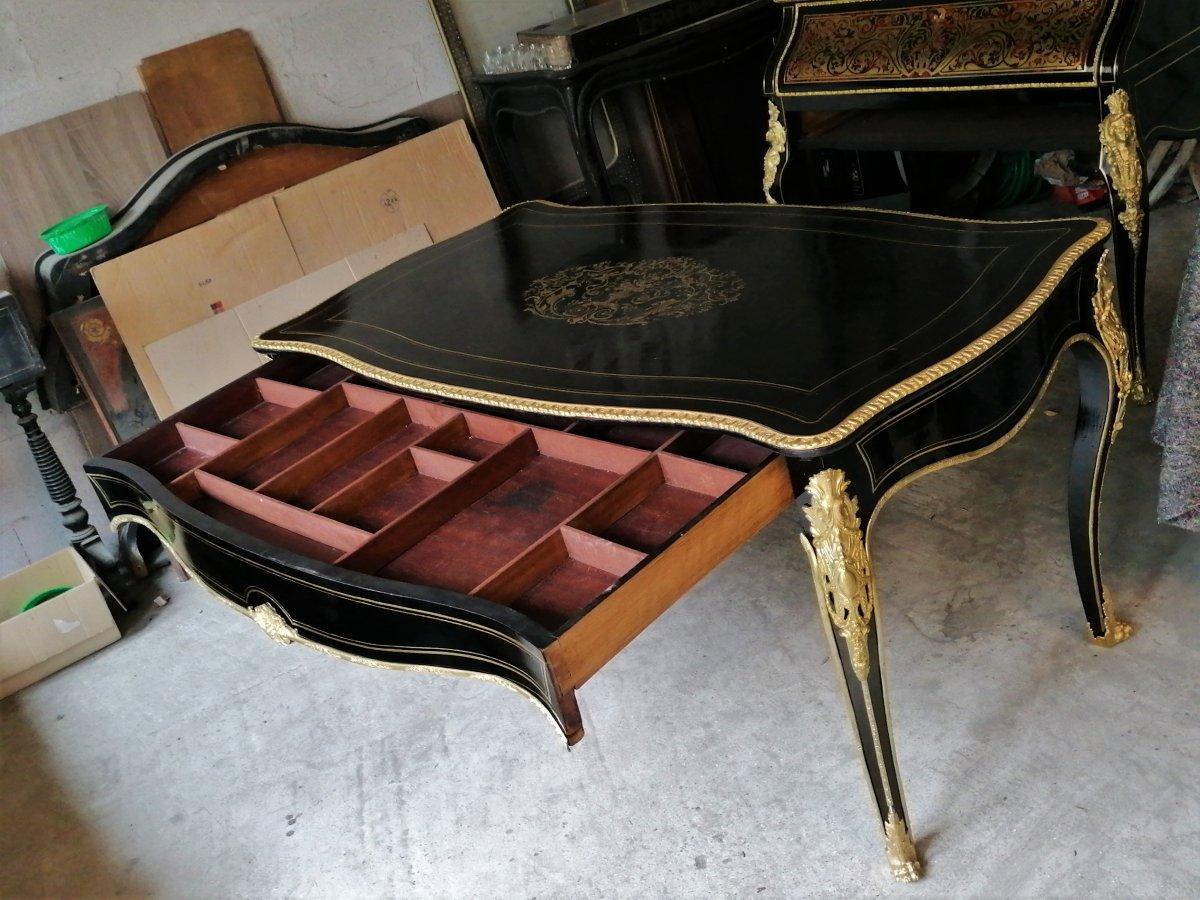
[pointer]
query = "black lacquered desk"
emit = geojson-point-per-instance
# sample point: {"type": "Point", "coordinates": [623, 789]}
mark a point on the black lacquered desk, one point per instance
{"type": "Point", "coordinates": [506, 455]}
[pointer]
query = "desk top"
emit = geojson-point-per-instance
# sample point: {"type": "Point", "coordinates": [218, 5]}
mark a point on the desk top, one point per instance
{"type": "Point", "coordinates": [792, 326]}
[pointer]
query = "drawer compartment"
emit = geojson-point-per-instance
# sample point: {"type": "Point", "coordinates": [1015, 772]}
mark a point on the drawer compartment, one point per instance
{"type": "Point", "coordinates": [575, 534]}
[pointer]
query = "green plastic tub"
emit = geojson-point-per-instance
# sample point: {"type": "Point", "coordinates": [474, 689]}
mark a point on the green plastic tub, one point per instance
{"type": "Point", "coordinates": [77, 231]}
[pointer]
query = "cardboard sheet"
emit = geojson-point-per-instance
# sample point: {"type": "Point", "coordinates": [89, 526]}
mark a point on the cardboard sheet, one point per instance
{"type": "Point", "coordinates": [435, 180]}
{"type": "Point", "coordinates": [196, 360]}
{"type": "Point", "coordinates": [355, 219]}
{"type": "Point", "coordinates": [192, 276]}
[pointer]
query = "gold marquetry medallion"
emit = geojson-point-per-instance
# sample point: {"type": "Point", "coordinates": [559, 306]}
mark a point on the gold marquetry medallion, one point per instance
{"type": "Point", "coordinates": [635, 292]}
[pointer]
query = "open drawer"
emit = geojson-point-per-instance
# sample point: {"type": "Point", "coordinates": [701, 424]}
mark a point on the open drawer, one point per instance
{"type": "Point", "coordinates": [399, 530]}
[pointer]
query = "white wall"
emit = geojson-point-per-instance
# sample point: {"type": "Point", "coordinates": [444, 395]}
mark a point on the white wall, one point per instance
{"type": "Point", "coordinates": [332, 62]}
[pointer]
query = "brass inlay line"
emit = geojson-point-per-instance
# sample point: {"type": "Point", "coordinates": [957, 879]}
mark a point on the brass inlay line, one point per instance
{"type": "Point", "coordinates": [860, 442]}
{"type": "Point", "coordinates": [337, 318]}
{"type": "Point", "coordinates": [535, 208]}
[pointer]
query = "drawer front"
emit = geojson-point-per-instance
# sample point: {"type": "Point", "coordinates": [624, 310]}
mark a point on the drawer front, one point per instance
{"type": "Point", "coordinates": [837, 48]}
{"type": "Point", "coordinates": [400, 531]}
{"type": "Point", "coordinates": [367, 620]}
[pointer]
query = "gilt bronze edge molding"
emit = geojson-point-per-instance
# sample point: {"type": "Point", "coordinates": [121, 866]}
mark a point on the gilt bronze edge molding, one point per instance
{"type": "Point", "coordinates": [292, 636]}
{"type": "Point", "coordinates": [780, 91]}
{"type": "Point", "coordinates": [770, 437]}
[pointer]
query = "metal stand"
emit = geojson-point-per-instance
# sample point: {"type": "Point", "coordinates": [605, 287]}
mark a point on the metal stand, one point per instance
{"type": "Point", "coordinates": [84, 536]}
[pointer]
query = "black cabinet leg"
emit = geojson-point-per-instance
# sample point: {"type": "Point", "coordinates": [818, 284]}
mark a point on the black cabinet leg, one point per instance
{"type": "Point", "coordinates": [845, 584]}
{"type": "Point", "coordinates": [1097, 422]}
{"type": "Point", "coordinates": [1105, 383]}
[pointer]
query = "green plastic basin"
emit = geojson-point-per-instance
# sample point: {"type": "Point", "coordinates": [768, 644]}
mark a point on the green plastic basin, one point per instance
{"type": "Point", "coordinates": [77, 231]}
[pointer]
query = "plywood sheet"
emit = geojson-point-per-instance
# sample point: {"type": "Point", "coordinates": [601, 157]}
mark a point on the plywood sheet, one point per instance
{"type": "Point", "coordinates": [99, 154]}
{"type": "Point", "coordinates": [184, 279]}
{"type": "Point", "coordinates": [436, 179]}
{"type": "Point", "coordinates": [208, 86]}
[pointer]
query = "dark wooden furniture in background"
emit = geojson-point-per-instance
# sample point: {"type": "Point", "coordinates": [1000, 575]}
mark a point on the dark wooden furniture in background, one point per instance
{"type": "Point", "coordinates": [663, 118]}
{"type": "Point", "coordinates": [193, 186]}
{"type": "Point", "coordinates": [1110, 75]}
{"type": "Point", "coordinates": [101, 364]}
{"type": "Point", "coordinates": [515, 485]}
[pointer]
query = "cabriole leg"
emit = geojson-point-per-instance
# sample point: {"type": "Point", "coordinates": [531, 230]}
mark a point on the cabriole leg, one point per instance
{"type": "Point", "coordinates": [845, 585]}
{"type": "Point", "coordinates": [1105, 382]}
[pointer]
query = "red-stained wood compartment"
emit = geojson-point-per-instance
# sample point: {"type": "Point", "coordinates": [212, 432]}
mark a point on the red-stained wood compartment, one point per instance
{"type": "Point", "coordinates": [543, 515]}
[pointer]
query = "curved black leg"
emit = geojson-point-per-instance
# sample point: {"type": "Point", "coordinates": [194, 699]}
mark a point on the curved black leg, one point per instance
{"type": "Point", "coordinates": [845, 585]}
{"type": "Point", "coordinates": [1099, 409]}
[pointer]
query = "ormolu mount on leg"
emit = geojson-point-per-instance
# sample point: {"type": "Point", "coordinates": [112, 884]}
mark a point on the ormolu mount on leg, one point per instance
{"type": "Point", "coordinates": [1124, 169]}
{"type": "Point", "coordinates": [846, 591]}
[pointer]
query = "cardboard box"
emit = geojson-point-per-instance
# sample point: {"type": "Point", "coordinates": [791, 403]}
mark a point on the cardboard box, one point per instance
{"type": "Point", "coordinates": [195, 361]}
{"type": "Point", "coordinates": [435, 180]}
{"type": "Point", "coordinates": [55, 633]}
{"type": "Point", "coordinates": [189, 277]}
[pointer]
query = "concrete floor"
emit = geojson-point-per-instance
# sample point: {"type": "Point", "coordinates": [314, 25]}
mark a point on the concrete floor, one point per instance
{"type": "Point", "coordinates": [197, 758]}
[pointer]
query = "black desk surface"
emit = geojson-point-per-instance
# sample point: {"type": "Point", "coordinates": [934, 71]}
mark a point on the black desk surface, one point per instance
{"type": "Point", "coordinates": [789, 325]}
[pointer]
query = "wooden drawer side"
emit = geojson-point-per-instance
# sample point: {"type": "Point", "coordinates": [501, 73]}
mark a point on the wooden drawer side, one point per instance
{"type": "Point", "coordinates": [602, 632]}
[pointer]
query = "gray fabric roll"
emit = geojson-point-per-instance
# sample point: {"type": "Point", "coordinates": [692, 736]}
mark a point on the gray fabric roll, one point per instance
{"type": "Point", "coordinates": [1177, 422]}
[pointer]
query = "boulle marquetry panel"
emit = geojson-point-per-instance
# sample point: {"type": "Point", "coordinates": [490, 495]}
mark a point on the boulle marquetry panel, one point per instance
{"type": "Point", "coordinates": [943, 40]}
